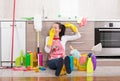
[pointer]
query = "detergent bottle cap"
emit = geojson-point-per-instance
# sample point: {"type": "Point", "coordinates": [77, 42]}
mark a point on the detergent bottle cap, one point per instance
{"type": "Point", "coordinates": [40, 52]}
{"type": "Point", "coordinates": [89, 54]}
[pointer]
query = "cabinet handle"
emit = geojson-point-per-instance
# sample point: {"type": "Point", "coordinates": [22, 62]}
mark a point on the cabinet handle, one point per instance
{"type": "Point", "coordinates": [81, 32]}
{"type": "Point", "coordinates": [12, 25]}
{"type": "Point", "coordinates": [79, 42]}
{"type": "Point", "coordinates": [72, 33]}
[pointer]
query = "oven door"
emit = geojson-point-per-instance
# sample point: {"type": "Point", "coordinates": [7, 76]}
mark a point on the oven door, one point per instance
{"type": "Point", "coordinates": [110, 39]}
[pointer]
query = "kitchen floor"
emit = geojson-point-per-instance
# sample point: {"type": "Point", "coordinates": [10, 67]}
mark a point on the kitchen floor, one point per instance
{"type": "Point", "coordinates": [106, 69]}
{"type": "Point", "coordinates": [81, 78]}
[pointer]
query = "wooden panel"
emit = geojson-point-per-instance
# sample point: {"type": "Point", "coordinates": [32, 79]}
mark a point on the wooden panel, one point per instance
{"type": "Point", "coordinates": [63, 78]}
{"type": "Point", "coordinates": [87, 38]}
{"type": "Point", "coordinates": [84, 36]}
{"type": "Point", "coordinates": [84, 45]}
{"type": "Point", "coordinates": [89, 27]}
{"type": "Point", "coordinates": [31, 37]}
{"type": "Point", "coordinates": [86, 42]}
{"type": "Point", "coordinates": [43, 35]}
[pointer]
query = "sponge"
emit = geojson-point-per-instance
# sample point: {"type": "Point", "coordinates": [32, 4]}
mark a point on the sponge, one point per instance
{"type": "Point", "coordinates": [73, 27]}
{"type": "Point", "coordinates": [51, 34]}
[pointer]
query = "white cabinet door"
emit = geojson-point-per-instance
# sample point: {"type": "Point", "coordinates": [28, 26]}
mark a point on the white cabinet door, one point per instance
{"type": "Point", "coordinates": [6, 38]}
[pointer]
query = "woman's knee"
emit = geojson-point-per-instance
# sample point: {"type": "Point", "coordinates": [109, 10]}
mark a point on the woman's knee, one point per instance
{"type": "Point", "coordinates": [51, 64]}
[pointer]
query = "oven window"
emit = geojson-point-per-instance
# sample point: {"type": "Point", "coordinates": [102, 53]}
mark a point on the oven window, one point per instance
{"type": "Point", "coordinates": [110, 39]}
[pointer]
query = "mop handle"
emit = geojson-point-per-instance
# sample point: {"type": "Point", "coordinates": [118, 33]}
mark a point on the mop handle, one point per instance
{"type": "Point", "coordinates": [13, 22]}
{"type": "Point", "coordinates": [38, 40]}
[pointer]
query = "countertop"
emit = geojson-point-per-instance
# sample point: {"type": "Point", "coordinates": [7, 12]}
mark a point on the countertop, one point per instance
{"type": "Point", "coordinates": [101, 20]}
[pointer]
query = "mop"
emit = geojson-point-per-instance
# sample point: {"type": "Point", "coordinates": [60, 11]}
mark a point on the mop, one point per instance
{"type": "Point", "coordinates": [38, 28]}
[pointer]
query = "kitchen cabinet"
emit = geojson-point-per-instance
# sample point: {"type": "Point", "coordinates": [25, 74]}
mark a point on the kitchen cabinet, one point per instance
{"type": "Point", "coordinates": [86, 42]}
{"type": "Point", "coordinates": [6, 40]}
{"type": "Point", "coordinates": [83, 44]}
{"type": "Point", "coordinates": [31, 37]}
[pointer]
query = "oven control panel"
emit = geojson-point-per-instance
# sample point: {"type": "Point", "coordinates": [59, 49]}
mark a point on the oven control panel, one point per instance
{"type": "Point", "coordinates": [107, 24]}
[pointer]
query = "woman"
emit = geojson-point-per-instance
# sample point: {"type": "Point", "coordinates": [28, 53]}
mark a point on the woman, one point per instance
{"type": "Point", "coordinates": [56, 50]}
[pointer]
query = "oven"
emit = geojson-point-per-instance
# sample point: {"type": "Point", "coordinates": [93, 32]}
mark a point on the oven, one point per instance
{"type": "Point", "coordinates": [110, 38]}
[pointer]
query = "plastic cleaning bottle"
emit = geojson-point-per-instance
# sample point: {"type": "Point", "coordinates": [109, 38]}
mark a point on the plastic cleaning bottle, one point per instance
{"type": "Point", "coordinates": [40, 59]}
{"type": "Point", "coordinates": [27, 59]}
{"type": "Point", "coordinates": [89, 65]}
{"type": "Point", "coordinates": [31, 59]}
{"type": "Point", "coordinates": [71, 62]}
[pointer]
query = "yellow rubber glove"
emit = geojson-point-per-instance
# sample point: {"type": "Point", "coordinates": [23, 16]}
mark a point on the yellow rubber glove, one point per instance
{"type": "Point", "coordinates": [51, 34]}
{"type": "Point", "coordinates": [73, 27]}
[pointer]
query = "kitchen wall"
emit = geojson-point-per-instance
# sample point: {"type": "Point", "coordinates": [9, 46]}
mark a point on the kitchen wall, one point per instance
{"type": "Point", "coordinates": [93, 9]}
{"type": "Point", "coordinates": [6, 9]}
{"type": "Point", "coordinates": [23, 8]}
{"type": "Point", "coordinates": [105, 9]}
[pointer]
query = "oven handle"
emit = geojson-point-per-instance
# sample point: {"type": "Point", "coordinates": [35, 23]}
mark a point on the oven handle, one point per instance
{"type": "Point", "coordinates": [109, 29]}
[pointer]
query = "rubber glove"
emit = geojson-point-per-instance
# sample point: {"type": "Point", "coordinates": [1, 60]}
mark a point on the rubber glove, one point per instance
{"type": "Point", "coordinates": [73, 27]}
{"type": "Point", "coordinates": [82, 22]}
{"type": "Point", "coordinates": [51, 34]}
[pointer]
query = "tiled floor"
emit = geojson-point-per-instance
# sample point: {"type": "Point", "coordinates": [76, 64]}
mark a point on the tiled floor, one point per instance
{"type": "Point", "coordinates": [101, 71]}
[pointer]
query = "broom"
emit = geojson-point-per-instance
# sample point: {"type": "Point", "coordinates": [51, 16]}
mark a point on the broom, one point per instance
{"type": "Point", "coordinates": [13, 23]}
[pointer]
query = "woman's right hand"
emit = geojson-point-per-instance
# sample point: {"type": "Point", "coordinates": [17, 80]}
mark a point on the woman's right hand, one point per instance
{"type": "Point", "coordinates": [51, 33]}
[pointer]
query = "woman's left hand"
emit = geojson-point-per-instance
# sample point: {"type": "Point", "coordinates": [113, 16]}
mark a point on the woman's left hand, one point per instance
{"type": "Point", "coordinates": [73, 27]}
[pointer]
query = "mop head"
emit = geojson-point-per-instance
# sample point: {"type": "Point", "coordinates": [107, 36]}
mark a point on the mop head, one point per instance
{"type": "Point", "coordinates": [38, 22]}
